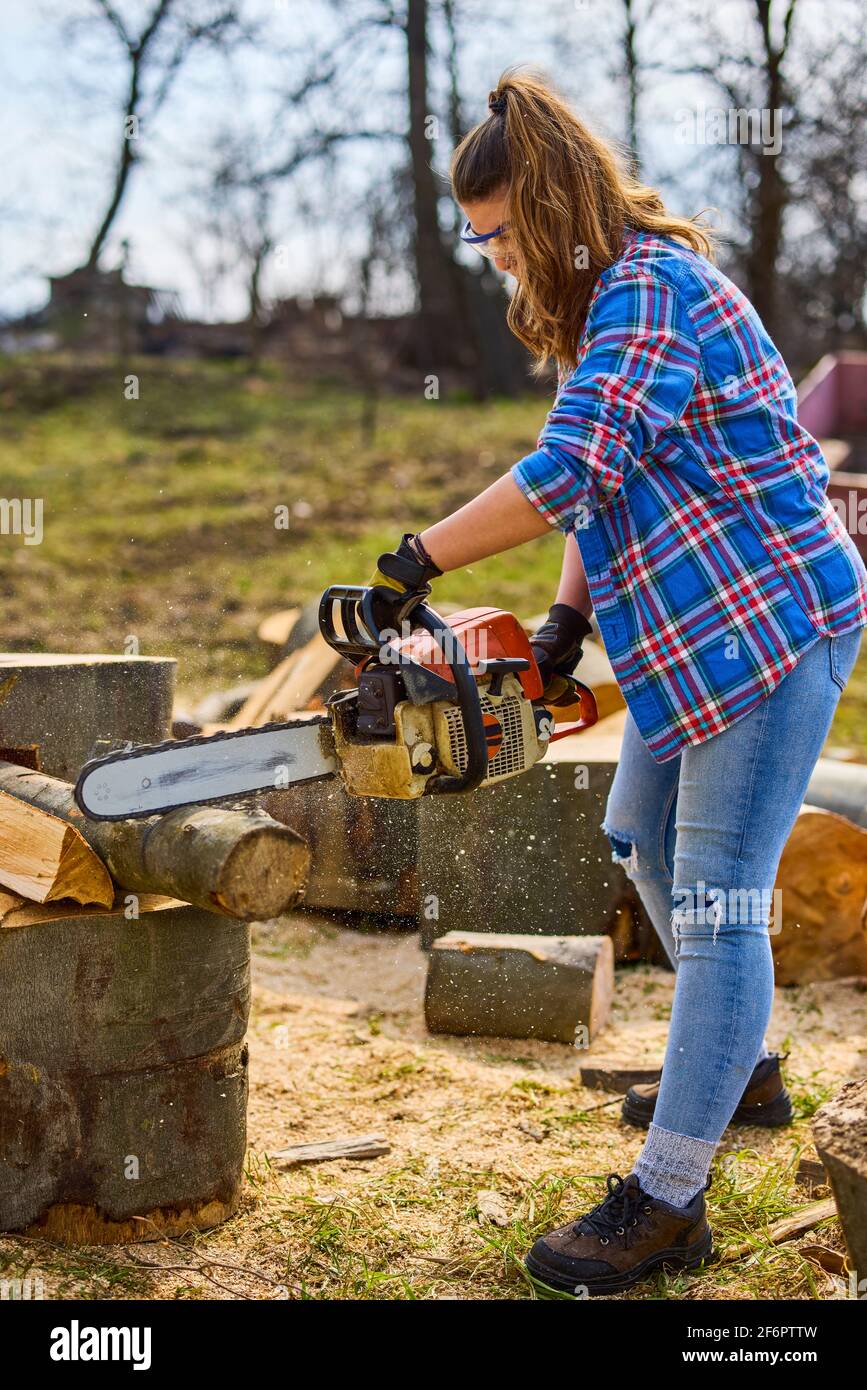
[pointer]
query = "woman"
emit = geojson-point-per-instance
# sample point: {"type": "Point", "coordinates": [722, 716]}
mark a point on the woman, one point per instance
{"type": "Point", "coordinates": [729, 597]}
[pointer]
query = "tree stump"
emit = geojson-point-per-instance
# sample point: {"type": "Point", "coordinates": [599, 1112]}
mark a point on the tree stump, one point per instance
{"type": "Point", "coordinates": [123, 1073]}
{"type": "Point", "coordinates": [66, 704]}
{"type": "Point", "coordinates": [558, 988]}
{"type": "Point", "coordinates": [840, 1136]}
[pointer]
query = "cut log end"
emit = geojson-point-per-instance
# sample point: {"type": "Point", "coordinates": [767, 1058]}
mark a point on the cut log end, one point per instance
{"type": "Point", "coordinates": [264, 875]}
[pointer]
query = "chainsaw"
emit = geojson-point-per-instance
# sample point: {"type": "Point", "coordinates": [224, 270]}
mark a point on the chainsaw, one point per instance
{"type": "Point", "coordinates": [445, 708]}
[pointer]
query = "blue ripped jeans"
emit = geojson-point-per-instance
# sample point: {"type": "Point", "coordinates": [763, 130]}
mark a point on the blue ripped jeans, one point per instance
{"type": "Point", "coordinates": [702, 836]}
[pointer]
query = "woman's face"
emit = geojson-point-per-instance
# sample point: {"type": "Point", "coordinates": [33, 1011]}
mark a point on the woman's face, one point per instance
{"type": "Point", "coordinates": [485, 216]}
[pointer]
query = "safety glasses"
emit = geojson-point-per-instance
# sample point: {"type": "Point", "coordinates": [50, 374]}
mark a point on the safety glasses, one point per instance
{"type": "Point", "coordinates": [494, 245]}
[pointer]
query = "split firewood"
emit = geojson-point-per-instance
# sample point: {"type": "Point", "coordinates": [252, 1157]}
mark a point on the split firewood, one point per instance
{"type": "Point", "coordinates": [277, 626]}
{"type": "Point", "coordinates": [240, 863]}
{"type": "Point", "coordinates": [44, 858]}
{"type": "Point", "coordinates": [290, 686]}
{"type": "Point", "coordinates": [326, 1150]}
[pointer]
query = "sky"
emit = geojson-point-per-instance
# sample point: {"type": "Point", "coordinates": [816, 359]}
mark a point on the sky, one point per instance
{"type": "Point", "coordinates": [61, 92]}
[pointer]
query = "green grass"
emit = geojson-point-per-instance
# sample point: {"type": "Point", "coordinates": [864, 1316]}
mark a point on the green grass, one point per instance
{"type": "Point", "coordinates": [159, 513]}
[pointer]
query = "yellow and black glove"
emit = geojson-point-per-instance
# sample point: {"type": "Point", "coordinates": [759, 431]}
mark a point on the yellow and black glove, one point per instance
{"type": "Point", "coordinates": [557, 649]}
{"type": "Point", "coordinates": [400, 581]}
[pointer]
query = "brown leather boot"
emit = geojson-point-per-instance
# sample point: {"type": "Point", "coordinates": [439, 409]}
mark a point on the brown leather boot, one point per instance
{"type": "Point", "coordinates": [621, 1241]}
{"type": "Point", "coordinates": [764, 1102]}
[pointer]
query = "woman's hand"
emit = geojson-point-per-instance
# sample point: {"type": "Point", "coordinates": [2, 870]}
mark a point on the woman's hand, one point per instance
{"type": "Point", "coordinates": [402, 578]}
{"type": "Point", "coordinates": [557, 648]}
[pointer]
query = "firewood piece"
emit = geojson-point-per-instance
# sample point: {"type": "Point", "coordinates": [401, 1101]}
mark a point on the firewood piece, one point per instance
{"type": "Point", "coordinates": [517, 986]}
{"type": "Point", "coordinates": [43, 857]}
{"type": "Point", "coordinates": [290, 686]}
{"type": "Point", "coordinates": [64, 704]}
{"type": "Point", "coordinates": [277, 626]}
{"type": "Point", "coordinates": [811, 1173]}
{"type": "Point", "coordinates": [602, 1077]}
{"type": "Point", "coordinates": [840, 1136]}
{"type": "Point", "coordinates": [822, 883]}
{"type": "Point", "coordinates": [804, 1219]}
{"type": "Point", "coordinates": [123, 1083]}
{"type": "Point", "coordinates": [326, 1150]}
{"type": "Point", "coordinates": [240, 863]}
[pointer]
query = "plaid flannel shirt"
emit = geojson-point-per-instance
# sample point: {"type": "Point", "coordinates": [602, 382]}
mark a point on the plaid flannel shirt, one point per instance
{"type": "Point", "coordinates": [713, 555]}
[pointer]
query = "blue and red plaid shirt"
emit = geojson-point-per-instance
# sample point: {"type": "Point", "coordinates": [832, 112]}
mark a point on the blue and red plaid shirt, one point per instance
{"type": "Point", "coordinates": [713, 555]}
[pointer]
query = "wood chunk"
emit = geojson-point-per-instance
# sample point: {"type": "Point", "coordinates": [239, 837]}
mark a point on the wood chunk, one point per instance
{"type": "Point", "coordinates": [240, 863]}
{"type": "Point", "coordinates": [326, 1150]}
{"type": "Point", "coordinates": [811, 1173]}
{"type": "Point", "coordinates": [603, 1077]}
{"type": "Point", "coordinates": [840, 1136]}
{"type": "Point", "coordinates": [44, 858]}
{"type": "Point", "coordinates": [277, 626]}
{"type": "Point", "coordinates": [558, 988]}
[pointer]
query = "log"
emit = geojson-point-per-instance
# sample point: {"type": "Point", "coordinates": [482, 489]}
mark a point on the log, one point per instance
{"type": "Point", "coordinates": [822, 888]}
{"type": "Point", "coordinates": [840, 1136]}
{"type": "Point", "coordinates": [123, 1084]}
{"type": "Point", "coordinates": [241, 863]}
{"type": "Point", "coordinates": [43, 857]}
{"type": "Point", "coordinates": [558, 988]}
{"type": "Point", "coordinates": [840, 787]}
{"type": "Point", "coordinates": [67, 704]}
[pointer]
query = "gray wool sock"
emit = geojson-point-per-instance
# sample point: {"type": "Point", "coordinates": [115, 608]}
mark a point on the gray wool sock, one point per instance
{"type": "Point", "coordinates": [673, 1167]}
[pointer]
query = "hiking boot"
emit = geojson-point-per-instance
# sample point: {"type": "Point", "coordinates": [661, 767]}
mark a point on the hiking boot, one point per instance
{"type": "Point", "coordinates": [764, 1102]}
{"type": "Point", "coordinates": [622, 1241]}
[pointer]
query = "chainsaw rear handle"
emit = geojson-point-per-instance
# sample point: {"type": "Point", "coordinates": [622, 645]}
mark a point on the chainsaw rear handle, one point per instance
{"type": "Point", "coordinates": [363, 639]}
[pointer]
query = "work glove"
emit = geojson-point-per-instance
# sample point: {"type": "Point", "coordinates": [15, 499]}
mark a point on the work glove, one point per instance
{"type": "Point", "coordinates": [401, 579]}
{"type": "Point", "coordinates": [557, 649]}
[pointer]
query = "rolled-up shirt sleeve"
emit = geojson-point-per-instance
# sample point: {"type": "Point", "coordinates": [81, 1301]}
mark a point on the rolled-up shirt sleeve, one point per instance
{"type": "Point", "coordinates": [639, 363]}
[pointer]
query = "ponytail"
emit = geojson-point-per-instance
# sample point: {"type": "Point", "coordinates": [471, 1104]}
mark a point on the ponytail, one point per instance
{"type": "Point", "coordinates": [569, 205]}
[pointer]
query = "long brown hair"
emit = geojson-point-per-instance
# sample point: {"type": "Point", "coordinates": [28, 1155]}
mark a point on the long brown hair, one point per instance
{"type": "Point", "coordinates": [566, 194]}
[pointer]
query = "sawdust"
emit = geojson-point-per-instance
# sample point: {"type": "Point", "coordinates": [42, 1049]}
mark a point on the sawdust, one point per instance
{"type": "Point", "coordinates": [338, 1048]}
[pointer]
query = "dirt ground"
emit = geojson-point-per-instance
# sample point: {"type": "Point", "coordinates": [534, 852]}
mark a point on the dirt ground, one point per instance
{"type": "Point", "coordinates": [338, 1047]}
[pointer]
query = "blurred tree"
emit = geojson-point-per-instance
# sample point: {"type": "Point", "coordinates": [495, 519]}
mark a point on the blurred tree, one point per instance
{"type": "Point", "coordinates": [154, 54]}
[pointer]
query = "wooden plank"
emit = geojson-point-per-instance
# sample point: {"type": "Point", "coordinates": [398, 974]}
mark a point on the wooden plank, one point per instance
{"type": "Point", "coordinates": [327, 1150]}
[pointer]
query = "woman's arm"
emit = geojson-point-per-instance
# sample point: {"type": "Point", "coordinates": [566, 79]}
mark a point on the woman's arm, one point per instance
{"type": "Point", "coordinates": [573, 581]}
{"type": "Point", "coordinates": [498, 519]}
